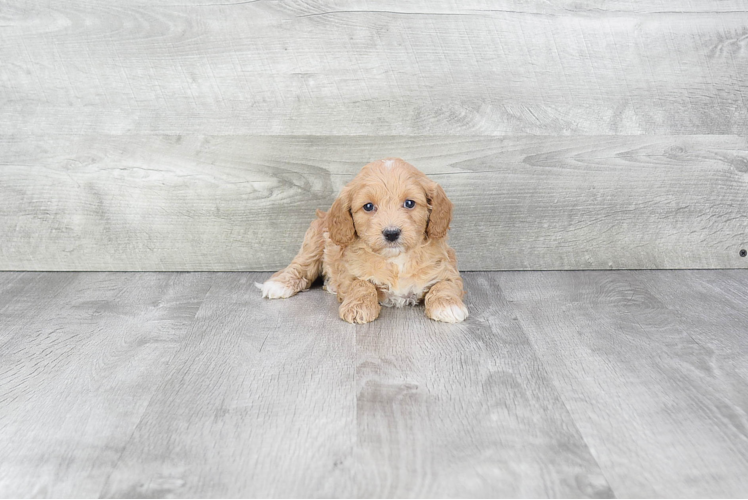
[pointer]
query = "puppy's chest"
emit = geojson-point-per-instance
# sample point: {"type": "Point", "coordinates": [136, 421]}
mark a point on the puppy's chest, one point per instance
{"type": "Point", "coordinates": [399, 284]}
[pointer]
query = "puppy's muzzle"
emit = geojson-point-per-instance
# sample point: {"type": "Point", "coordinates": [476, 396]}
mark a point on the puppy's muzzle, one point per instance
{"type": "Point", "coordinates": [391, 234]}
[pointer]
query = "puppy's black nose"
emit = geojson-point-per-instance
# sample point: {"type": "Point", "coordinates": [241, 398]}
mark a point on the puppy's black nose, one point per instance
{"type": "Point", "coordinates": [391, 234]}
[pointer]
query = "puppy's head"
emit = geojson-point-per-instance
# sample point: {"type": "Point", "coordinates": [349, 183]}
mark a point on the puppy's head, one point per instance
{"type": "Point", "coordinates": [391, 206]}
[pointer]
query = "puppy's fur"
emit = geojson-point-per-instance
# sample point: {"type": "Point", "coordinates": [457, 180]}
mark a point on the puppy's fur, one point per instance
{"type": "Point", "coordinates": [348, 245]}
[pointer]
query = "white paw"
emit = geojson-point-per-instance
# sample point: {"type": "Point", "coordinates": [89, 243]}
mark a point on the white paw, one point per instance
{"type": "Point", "coordinates": [453, 313]}
{"type": "Point", "coordinates": [274, 290]}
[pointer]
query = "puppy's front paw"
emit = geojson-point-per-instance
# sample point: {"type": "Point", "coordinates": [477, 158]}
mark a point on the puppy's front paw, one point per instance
{"type": "Point", "coordinates": [358, 310]}
{"type": "Point", "coordinates": [448, 310]}
{"type": "Point", "coordinates": [272, 289]}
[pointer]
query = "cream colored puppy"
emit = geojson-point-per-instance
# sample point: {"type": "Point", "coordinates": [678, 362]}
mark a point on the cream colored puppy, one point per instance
{"type": "Point", "coordinates": [384, 241]}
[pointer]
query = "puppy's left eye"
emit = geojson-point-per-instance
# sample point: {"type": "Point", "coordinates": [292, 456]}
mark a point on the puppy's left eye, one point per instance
{"type": "Point", "coordinates": [409, 204]}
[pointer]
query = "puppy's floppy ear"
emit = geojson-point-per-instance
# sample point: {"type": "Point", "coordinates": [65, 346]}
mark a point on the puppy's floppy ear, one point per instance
{"type": "Point", "coordinates": [339, 220]}
{"type": "Point", "coordinates": [441, 211]}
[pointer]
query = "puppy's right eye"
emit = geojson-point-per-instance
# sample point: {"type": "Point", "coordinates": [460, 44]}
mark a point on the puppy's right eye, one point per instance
{"type": "Point", "coordinates": [368, 207]}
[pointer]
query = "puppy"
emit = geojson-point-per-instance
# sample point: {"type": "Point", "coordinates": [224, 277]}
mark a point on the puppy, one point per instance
{"type": "Point", "coordinates": [383, 243]}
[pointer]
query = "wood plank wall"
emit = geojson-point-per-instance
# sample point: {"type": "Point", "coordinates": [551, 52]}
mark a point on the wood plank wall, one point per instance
{"type": "Point", "coordinates": [201, 135]}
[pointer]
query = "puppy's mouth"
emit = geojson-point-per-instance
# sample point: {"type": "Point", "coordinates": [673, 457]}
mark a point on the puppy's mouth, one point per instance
{"type": "Point", "coordinates": [392, 248]}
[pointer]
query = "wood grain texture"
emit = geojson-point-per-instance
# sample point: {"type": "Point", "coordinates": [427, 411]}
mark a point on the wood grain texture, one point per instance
{"type": "Point", "coordinates": [573, 384]}
{"type": "Point", "coordinates": [329, 67]}
{"type": "Point", "coordinates": [77, 374]}
{"type": "Point", "coordinates": [463, 411]}
{"type": "Point", "coordinates": [24, 296]}
{"type": "Point", "coordinates": [720, 326]}
{"type": "Point", "coordinates": [243, 203]}
{"type": "Point", "coordinates": [663, 413]}
{"type": "Point", "coordinates": [201, 135]}
{"type": "Point", "coordinates": [260, 402]}
{"type": "Point", "coordinates": [11, 284]}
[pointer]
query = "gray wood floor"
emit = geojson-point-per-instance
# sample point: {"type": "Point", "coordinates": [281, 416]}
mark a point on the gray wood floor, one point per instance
{"type": "Point", "coordinates": [560, 384]}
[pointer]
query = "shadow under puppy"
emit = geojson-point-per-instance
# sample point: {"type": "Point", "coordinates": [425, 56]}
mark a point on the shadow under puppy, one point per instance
{"type": "Point", "coordinates": [384, 241]}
